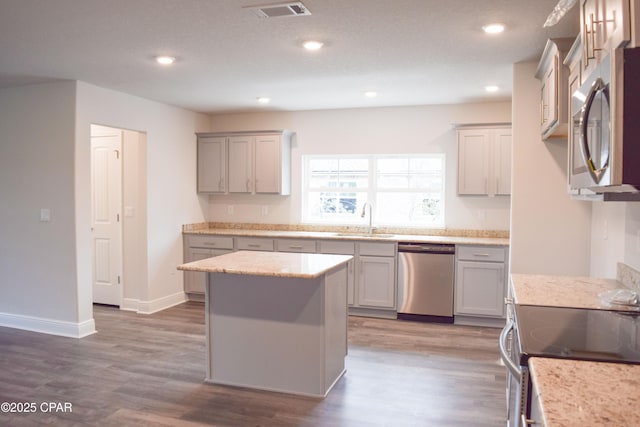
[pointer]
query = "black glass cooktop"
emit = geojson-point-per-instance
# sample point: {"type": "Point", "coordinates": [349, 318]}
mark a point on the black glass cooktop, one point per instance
{"type": "Point", "coordinates": [576, 333]}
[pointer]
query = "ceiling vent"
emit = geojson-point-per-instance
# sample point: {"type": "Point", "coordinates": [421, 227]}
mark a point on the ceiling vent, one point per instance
{"type": "Point", "coordinates": [277, 10]}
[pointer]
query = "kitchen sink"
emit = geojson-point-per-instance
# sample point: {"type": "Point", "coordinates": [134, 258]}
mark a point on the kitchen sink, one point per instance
{"type": "Point", "coordinates": [371, 235]}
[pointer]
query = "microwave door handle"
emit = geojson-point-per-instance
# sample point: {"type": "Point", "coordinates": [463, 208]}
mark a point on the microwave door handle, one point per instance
{"type": "Point", "coordinates": [597, 86]}
{"type": "Point", "coordinates": [504, 354]}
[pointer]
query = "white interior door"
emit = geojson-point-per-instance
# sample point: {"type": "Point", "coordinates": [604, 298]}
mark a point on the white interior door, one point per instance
{"type": "Point", "coordinates": [106, 201]}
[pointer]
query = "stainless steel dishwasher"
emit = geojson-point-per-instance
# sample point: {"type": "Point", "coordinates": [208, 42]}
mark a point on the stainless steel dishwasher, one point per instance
{"type": "Point", "coordinates": [425, 282]}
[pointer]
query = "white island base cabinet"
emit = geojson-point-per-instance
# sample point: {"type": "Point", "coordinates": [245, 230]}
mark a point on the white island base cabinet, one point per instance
{"type": "Point", "coordinates": [282, 334]}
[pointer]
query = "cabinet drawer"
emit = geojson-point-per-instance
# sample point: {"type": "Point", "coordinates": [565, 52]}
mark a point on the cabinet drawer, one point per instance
{"type": "Point", "coordinates": [206, 241]}
{"type": "Point", "coordinates": [336, 247]}
{"type": "Point", "coordinates": [377, 249]}
{"type": "Point", "coordinates": [481, 253]}
{"type": "Point", "coordinates": [255, 244]}
{"type": "Point", "coordinates": [296, 245]}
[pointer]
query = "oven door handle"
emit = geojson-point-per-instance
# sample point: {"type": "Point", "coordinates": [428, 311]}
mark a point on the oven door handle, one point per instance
{"type": "Point", "coordinates": [504, 354]}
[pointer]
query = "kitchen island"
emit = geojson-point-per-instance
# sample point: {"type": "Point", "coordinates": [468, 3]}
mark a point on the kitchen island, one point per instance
{"type": "Point", "coordinates": [275, 321]}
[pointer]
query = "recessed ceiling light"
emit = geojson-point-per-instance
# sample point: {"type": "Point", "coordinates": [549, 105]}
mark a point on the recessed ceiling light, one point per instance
{"type": "Point", "coordinates": [165, 60]}
{"type": "Point", "coordinates": [371, 94]}
{"type": "Point", "coordinates": [312, 45]}
{"type": "Point", "coordinates": [491, 88]}
{"type": "Point", "coordinates": [264, 100]}
{"type": "Point", "coordinates": [493, 28]}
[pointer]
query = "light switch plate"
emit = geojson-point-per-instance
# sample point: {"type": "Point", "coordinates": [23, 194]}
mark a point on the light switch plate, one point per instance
{"type": "Point", "coordinates": [45, 215]}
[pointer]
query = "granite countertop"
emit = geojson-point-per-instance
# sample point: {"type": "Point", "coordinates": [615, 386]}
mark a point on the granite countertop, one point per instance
{"type": "Point", "coordinates": [574, 392]}
{"type": "Point", "coordinates": [274, 264]}
{"type": "Point", "coordinates": [579, 393]}
{"type": "Point", "coordinates": [461, 237]}
{"type": "Point", "coordinates": [564, 291]}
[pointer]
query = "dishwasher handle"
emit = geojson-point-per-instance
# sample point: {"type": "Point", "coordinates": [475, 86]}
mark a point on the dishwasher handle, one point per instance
{"type": "Point", "coordinates": [430, 248]}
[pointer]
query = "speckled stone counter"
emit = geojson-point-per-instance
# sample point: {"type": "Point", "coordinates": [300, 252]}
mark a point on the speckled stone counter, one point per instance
{"type": "Point", "coordinates": [561, 291]}
{"type": "Point", "coordinates": [583, 394]}
{"type": "Point", "coordinates": [455, 237]}
{"type": "Point", "coordinates": [275, 264]}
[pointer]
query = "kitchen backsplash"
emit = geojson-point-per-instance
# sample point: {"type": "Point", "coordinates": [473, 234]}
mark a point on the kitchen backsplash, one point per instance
{"type": "Point", "coordinates": [628, 276]}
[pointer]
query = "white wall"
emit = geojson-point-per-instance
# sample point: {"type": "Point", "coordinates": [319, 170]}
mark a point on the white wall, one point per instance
{"type": "Point", "coordinates": [367, 131]}
{"type": "Point", "coordinates": [170, 150]}
{"type": "Point", "coordinates": [45, 163]}
{"type": "Point", "coordinates": [550, 233]}
{"type": "Point", "coordinates": [615, 237]}
{"type": "Point", "coordinates": [37, 259]}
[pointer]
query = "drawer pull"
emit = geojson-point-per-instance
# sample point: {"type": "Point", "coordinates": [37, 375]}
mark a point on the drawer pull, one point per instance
{"type": "Point", "coordinates": [253, 245]}
{"type": "Point", "coordinates": [295, 247]}
{"type": "Point", "coordinates": [481, 255]}
{"type": "Point", "coordinates": [209, 244]}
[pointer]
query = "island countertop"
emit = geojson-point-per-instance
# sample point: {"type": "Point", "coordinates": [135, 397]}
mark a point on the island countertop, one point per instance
{"type": "Point", "coordinates": [275, 264]}
{"type": "Point", "coordinates": [579, 393]}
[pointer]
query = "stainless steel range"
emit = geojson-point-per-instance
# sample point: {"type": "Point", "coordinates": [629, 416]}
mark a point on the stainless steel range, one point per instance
{"type": "Point", "coordinates": [566, 333]}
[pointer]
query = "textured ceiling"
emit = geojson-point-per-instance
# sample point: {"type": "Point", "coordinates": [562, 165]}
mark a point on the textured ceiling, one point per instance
{"type": "Point", "coordinates": [412, 52]}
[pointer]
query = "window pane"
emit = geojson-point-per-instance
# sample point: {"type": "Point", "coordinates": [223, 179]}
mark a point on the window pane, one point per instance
{"type": "Point", "coordinates": [410, 209]}
{"type": "Point", "coordinates": [341, 206]}
{"type": "Point", "coordinates": [408, 190]}
{"type": "Point", "coordinates": [338, 173]}
{"type": "Point", "coordinates": [393, 165]}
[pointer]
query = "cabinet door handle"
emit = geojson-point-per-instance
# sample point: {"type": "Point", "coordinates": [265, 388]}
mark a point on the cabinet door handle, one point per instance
{"type": "Point", "coordinates": [588, 36]}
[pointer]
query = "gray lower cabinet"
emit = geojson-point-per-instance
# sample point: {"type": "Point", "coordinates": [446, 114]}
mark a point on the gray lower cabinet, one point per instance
{"type": "Point", "coordinates": [296, 245]}
{"type": "Point", "coordinates": [480, 284]}
{"type": "Point", "coordinates": [198, 247]}
{"type": "Point", "coordinates": [254, 244]}
{"type": "Point", "coordinates": [376, 275]}
{"type": "Point", "coordinates": [371, 285]}
{"type": "Point", "coordinates": [338, 247]}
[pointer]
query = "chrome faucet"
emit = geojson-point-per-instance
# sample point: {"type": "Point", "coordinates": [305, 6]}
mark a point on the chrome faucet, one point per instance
{"type": "Point", "coordinates": [364, 210]}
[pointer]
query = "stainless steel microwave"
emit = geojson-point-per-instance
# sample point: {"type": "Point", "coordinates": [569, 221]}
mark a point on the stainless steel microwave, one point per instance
{"type": "Point", "coordinates": [604, 154]}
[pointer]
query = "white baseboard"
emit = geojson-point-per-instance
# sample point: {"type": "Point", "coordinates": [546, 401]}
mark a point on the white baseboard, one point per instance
{"type": "Point", "coordinates": [149, 307]}
{"type": "Point", "coordinates": [48, 326]}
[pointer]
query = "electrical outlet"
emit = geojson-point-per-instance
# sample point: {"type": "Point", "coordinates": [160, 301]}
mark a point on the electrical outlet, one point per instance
{"type": "Point", "coordinates": [265, 210]}
{"type": "Point", "coordinates": [638, 240]}
{"type": "Point", "coordinates": [605, 230]}
{"type": "Point", "coordinates": [230, 210]}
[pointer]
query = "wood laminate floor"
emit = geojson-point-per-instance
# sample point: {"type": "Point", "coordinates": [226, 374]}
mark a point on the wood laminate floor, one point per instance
{"type": "Point", "coordinates": [148, 370]}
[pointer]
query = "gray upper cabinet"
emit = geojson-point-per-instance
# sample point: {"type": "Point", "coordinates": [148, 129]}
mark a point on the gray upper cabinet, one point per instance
{"type": "Point", "coordinates": [553, 75]}
{"type": "Point", "coordinates": [245, 162]}
{"type": "Point", "coordinates": [484, 160]}
{"type": "Point", "coordinates": [212, 164]}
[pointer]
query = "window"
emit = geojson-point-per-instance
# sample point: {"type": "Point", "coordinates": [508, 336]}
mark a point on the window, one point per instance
{"type": "Point", "coordinates": [405, 190]}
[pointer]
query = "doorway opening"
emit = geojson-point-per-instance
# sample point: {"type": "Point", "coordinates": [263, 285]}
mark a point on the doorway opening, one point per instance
{"type": "Point", "coordinates": [118, 216]}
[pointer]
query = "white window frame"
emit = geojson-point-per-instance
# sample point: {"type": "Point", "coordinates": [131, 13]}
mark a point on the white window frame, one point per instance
{"type": "Point", "coordinates": [370, 192]}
